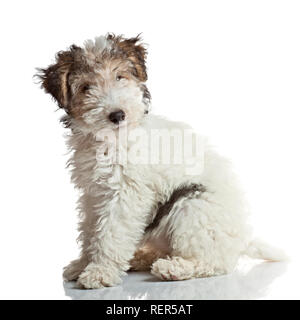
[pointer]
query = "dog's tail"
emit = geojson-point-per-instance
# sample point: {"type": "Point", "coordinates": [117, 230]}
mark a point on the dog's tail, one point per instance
{"type": "Point", "coordinates": [258, 249]}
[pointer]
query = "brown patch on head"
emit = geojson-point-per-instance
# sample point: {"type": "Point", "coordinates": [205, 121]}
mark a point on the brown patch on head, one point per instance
{"type": "Point", "coordinates": [134, 52]}
{"type": "Point", "coordinates": [84, 82]}
{"type": "Point", "coordinates": [55, 78]}
{"type": "Point", "coordinates": [82, 78]}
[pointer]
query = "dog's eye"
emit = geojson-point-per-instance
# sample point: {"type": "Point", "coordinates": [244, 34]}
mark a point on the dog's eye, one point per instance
{"type": "Point", "coordinates": [118, 78]}
{"type": "Point", "coordinates": [85, 88]}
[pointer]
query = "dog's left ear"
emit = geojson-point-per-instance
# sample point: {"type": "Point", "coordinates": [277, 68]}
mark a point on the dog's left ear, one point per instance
{"type": "Point", "coordinates": [136, 53]}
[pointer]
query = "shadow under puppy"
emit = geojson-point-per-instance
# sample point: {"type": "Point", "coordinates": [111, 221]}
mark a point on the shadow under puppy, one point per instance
{"type": "Point", "coordinates": [140, 216]}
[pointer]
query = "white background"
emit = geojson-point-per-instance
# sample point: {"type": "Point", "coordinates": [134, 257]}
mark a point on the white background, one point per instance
{"type": "Point", "coordinates": [230, 68]}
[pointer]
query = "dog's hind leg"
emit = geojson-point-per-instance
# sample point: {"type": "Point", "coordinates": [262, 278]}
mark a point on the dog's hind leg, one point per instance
{"type": "Point", "coordinates": [204, 239]}
{"type": "Point", "coordinates": [179, 268]}
{"type": "Point", "coordinates": [174, 268]}
{"type": "Point", "coordinates": [144, 258]}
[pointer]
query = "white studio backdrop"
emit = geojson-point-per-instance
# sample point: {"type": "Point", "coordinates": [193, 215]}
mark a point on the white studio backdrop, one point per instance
{"type": "Point", "coordinates": [229, 68]}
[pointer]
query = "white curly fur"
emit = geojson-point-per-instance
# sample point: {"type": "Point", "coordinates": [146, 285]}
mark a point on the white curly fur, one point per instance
{"type": "Point", "coordinates": [203, 235]}
{"type": "Point", "coordinates": [209, 232]}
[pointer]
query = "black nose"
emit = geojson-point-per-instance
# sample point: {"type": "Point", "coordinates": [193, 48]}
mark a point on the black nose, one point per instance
{"type": "Point", "coordinates": [117, 116]}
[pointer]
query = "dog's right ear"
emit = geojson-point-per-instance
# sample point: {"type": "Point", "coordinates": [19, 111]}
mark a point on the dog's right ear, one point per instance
{"type": "Point", "coordinates": [54, 79]}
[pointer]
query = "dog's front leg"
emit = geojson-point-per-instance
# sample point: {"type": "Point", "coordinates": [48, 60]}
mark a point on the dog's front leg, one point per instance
{"type": "Point", "coordinates": [88, 213]}
{"type": "Point", "coordinates": [118, 230]}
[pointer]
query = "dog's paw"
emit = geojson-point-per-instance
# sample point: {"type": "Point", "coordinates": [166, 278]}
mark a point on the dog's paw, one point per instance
{"type": "Point", "coordinates": [96, 276]}
{"type": "Point", "coordinates": [175, 268]}
{"type": "Point", "coordinates": [74, 269]}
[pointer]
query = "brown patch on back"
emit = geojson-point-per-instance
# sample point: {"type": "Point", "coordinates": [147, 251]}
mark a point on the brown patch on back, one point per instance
{"type": "Point", "coordinates": [165, 208]}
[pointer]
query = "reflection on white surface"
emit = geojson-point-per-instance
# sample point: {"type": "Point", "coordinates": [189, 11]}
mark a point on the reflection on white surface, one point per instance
{"type": "Point", "coordinates": [249, 281]}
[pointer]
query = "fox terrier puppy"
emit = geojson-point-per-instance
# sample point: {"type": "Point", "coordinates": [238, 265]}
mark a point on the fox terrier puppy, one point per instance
{"type": "Point", "coordinates": [179, 214]}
